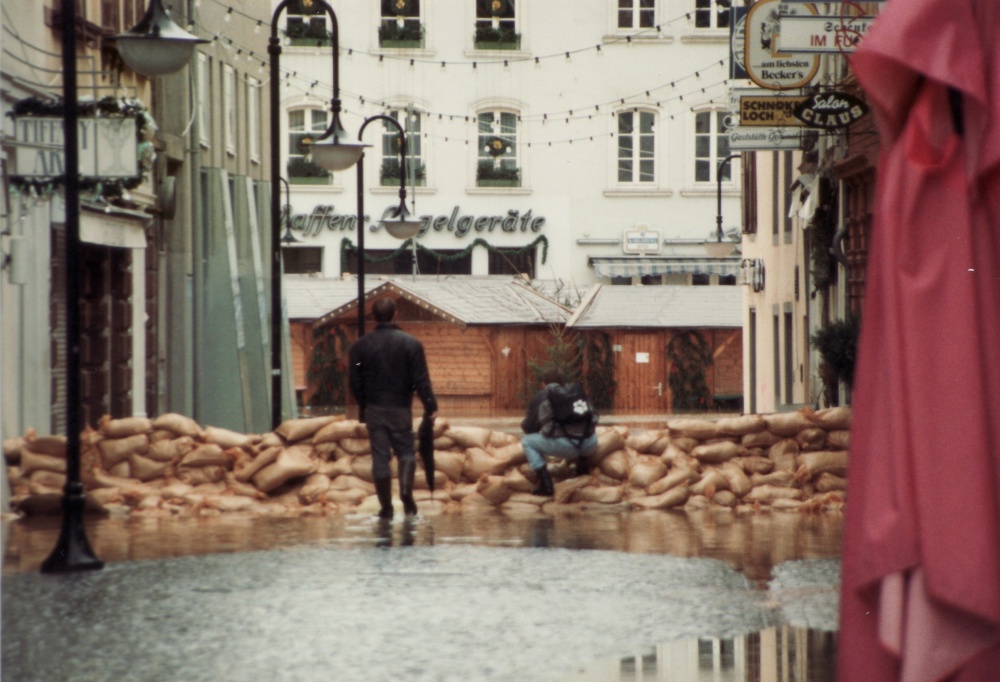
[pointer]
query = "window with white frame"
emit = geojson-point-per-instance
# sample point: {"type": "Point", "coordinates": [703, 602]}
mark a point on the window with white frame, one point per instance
{"type": "Point", "coordinates": [636, 146]}
{"type": "Point", "coordinates": [415, 170]}
{"type": "Point", "coordinates": [204, 98]}
{"type": "Point", "coordinates": [711, 13]}
{"type": "Point", "coordinates": [400, 24]}
{"type": "Point", "coordinates": [711, 145]}
{"type": "Point", "coordinates": [306, 23]}
{"type": "Point", "coordinates": [304, 126]}
{"type": "Point", "coordinates": [253, 117]}
{"type": "Point", "coordinates": [634, 14]}
{"type": "Point", "coordinates": [497, 161]}
{"type": "Point", "coordinates": [496, 25]}
{"type": "Point", "coordinates": [229, 105]}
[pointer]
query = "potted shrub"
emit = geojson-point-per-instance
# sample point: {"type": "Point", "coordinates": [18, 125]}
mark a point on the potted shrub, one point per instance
{"type": "Point", "coordinates": [303, 172]}
{"type": "Point", "coordinates": [411, 35]}
{"type": "Point", "coordinates": [490, 175]}
{"type": "Point", "coordinates": [389, 174]}
{"type": "Point", "coordinates": [313, 32]}
{"type": "Point", "coordinates": [837, 344]}
{"type": "Point", "coordinates": [489, 38]}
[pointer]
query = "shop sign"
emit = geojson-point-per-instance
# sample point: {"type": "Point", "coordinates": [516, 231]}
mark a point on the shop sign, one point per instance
{"type": "Point", "coordinates": [641, 241]}
{"type": "Point", "coordinates": [746, 139]}
{"type": "Point", "coordinates": [766, 65]}
{"type": "Point", "coordinates": [107, 147]}
{"type": "Point", "coordinates": [823, 34]}
{"type": "Point", "coordinates": [830, 110]}
{"type": "Point", "coordinates": [770, 110]}
{"type": "Point", "coordinates": [325, 218]}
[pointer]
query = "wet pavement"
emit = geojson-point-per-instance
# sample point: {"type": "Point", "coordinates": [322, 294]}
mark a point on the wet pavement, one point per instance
{"type": "Point", "coordinates": [582, 596]}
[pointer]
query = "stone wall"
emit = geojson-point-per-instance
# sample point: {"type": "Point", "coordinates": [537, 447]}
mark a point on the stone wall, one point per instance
{"type": "Point", "coordinates": [172, 465]}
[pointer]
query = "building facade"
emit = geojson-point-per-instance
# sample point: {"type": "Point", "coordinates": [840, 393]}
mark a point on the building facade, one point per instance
{"type": "Point", "coordinates": [572, 143]}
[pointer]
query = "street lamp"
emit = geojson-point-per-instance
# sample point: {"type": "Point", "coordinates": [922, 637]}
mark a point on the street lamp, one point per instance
{"type": "Point", "coordinates": [720, 248]}
{"type": "Point", "coordinates": [155, 46]}
{"type": "Point", "coordinates": [288, 237]}
{"type": "Point", "coordinates": [340, 153]}
{"type": "Point", "coordinates": [400, 226]}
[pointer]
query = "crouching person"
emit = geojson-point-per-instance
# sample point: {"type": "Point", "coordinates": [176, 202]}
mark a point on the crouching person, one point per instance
{"type": "Point", "coordinates": [560, 422]}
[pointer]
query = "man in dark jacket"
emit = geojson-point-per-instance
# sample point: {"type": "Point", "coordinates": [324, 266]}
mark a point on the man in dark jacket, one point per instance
{"type": "Point", "coordinates": [386, 367]}
{"type": "Point", "coordinates": [544, 437]}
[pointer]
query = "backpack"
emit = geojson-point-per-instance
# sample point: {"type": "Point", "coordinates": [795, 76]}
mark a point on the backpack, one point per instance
{"type": "Point", "coordinates": [572, 413]}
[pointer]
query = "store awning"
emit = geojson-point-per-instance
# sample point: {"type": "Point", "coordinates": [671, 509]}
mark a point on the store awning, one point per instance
{"type": "Point", "coordinates": [639, 267]}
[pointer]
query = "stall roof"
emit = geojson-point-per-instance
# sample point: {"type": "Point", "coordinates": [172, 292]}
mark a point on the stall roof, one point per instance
{"type": "Point", "coordinates": [310, 297]}
{"type": "Point", "coordinates": [660, 307]}
{"type": "Point", "coordinates": [469, 299]}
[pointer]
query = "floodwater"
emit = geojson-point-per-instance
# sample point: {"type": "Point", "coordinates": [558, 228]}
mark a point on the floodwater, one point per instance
{"type": "Point", "coordinates": [583, 596]}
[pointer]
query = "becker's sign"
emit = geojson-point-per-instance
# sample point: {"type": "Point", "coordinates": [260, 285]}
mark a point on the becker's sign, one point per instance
{"type": "Point", "coordinates": [765, 64]}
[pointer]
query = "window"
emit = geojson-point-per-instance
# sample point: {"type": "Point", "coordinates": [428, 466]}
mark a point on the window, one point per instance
{"type": "Point", "coordinates": [711, 145]}
{"type": "Point", "coordinates": [496, 26]}
{"type": "Point", "coordinates": [253, 118]}
{"type": "Point", "coordinates": [636, 13]}
{"type": "Point", "coordinates": [204, 99]}
{"type": "Point", "coordinates": [497, 161]}
{"type": "Point", "coordinates": [711, 13]}
{"type": "Point", "coordinates": [400, 25]}
{"type": "Point", "coordinates": [636, 146]}
{"type": "Point", "coordinates": [305, 125]}
{"type": "Point", "coordinates": [305, 23]}
{"type": "Point", "coordinates": [415, 171]}
{"type": "Point", "coordinates": [512, 262]}
{"type": "Point", "coordinates": [302, 260]}
{"type": "Point", "coordinates": [229, 102]}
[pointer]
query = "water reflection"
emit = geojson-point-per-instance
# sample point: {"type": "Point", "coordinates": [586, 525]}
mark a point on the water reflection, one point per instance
{"type": "Point", "coordinates": [779, 654]}
{"type": "Point", "coordinates": [750, 543]}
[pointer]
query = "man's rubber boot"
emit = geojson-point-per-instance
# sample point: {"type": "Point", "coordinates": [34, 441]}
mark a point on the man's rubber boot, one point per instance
{"type": "Point", "coordinates": [544, 487]}
{"type": "Point", "coordinates": [383, 489]}
{"type": "Point", "coordinates": [583, 466]}
{"type": "Point", "coordinates": [407, 470]}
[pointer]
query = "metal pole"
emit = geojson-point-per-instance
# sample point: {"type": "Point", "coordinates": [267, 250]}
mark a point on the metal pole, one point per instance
{"type": "Point", "coordinates": [72, 551]}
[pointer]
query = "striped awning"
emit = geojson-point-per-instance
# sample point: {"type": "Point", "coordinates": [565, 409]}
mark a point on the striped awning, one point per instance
{"type": "Point", "coordinates": [639, 267]}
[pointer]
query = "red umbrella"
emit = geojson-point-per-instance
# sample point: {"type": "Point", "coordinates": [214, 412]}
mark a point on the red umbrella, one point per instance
{"type": "Point", "coordinates": [920, 596]}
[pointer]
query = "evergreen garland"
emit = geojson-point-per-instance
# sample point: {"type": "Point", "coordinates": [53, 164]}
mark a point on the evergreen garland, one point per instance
{"type": "Point", "coordinates": [689, 355]}
{"type": "Point", "coordinates": [347, 247]}
{"type": "Point", "coordinates": [328, 366]}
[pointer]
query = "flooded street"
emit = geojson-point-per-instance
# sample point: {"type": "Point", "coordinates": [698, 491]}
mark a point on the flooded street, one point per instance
{"type": "Point", "coordinates": [585, 596]}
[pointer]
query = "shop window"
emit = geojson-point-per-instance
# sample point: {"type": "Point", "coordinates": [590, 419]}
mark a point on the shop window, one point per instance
{"type": "Point", "coordinates": [636, 147]}
{"type": "Point", "coordinates": [400, 25]}
{"type": "Point", "coordinates": [302, 260]}
{"type": "Point", "coordinates": [411, 121]}
{"type": "Point", "coordinates": [496, 25]}
{"type": "Point", "coordinates": [711, 13]}
{"type": "Point", "coordinates": [497, 162]}
{"type": "Point", "coordinates": [633, 14]}
{"type": "Point", "coordinates": [711, 145]}
{"type": "Point", "coordinates": [512, 262]}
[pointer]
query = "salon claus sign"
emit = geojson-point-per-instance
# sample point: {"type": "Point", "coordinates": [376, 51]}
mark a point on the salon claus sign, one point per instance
{"type": "Point", "coordinates": [830, 110]}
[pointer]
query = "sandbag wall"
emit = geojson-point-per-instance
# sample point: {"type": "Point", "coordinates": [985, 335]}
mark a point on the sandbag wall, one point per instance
{"type": "Point", "coordinates": [172, 465]}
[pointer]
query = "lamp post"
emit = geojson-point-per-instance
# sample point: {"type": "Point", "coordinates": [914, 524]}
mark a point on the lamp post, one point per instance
{"type": "Point", "coordinates": [399, 227]}
{"type": "Point", "coordinates": [288, 237]}
{"type": "Point", "coordinates": [339, 154]}
{"type": "Point", "coordinates": [720, 249]}
{"type": "Point", "coordinates": [154, 47]}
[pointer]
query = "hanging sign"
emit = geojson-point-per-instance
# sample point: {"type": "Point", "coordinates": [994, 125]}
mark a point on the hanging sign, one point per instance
{"type": "Point", "coordinates": [750, 139]}
{"type": "Point", "coordinates": [767, 65]}
{"type": "Point", "coordinates": [641, 241]}
{"type": "Point", "coordinates": [770, 110]}
{"type": "Point", "coordinates": [737, 42]}
{"type": "Point", "coordinates": [823, 34]}
{"type": "Point", "coordinates": [830, 110]}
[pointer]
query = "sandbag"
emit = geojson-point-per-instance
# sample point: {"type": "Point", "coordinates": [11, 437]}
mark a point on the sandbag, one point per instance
{"type": "Point", "coordinates": [642, 441]}
{"type": "Point", "coordinates": [685, 443]}
{"type": "Point", "coordinates": [356, 446]}
{"type": "Point", "coordinates": [420, 479]}
{"type": "Point", "coordinates": [237, 487]}
{"type": "Point", "coordinates": [763, 439]}
{"type": "Point", "coordinates": [209, 454]}
{"type": "Point", "coordinates": [469, 436]}
{"type": "Point", "coordinates": [450, 463]}
{"type": "Point", "coordinates": [616, 465]}
{"type": "Point", "coordinates": [500, 439]}
{"type": "Point", "coordinates": [46, 445]}
{"type": "Point", "coordinates": [225, 438]}
{"type": "Point", "coordinates": [725, 498]}
{"type": "Point", "coordinates": [230, 503]}
{"type": "Point", "coordinates": [349, 481]}
{"type": "Point", "coordinates": [674, 497]}
{"type": "Point", "coordinates": [716, 453]}
{"type": "Point", "coordinates": [493, 488]}
{"type": "Point", "coordinates": [827, 482]}
{"type": "Point", "coordinates": [115, 450]}
{"type": "Point", "coordinates": [336, 467]}
{"type": "Point", "coordinates": [741, 426]}
{"type": "Point", "coordinates": [599, 494]}
{"type": "Point", "coordinates": [34, 461]}
{"type": "Point", "coordinates": [479, 462]}
{"type": "Point", "coordinates": [677, 476]}
{"type": "Point", "coordinates": [608, 441]}
{"type": "Point", "coordinates": [838, 440]}
{"type": "Point", "coordinates": [12, 449]}
{"type": "Point", "coordinates": [659, 446]}
{"type": "Point", "coordinates": [350, 496]}
{"type": "Point", "coordinates": [123, 428]}
{"type": "Point", "coordinates": [511, 454]}
{"type": "Point", "coordinates": [262, 460]}
{"type": "Point", "coordinates": [831, 418]}
{"type": "Point", "coordinates": [516, 507]}
{"type": "Point", "coordinates": [294, 430]}
{"type": "Point", "coordinates": [811, 464]}
{"type": "Point", "coordinates": [122, 469]}
{"type": "Point", "coordinates": [779, 478]}
{"type": "Point", "coordinates": [145, 469]}
{"type": "Point", "coordinates": [787, 424]}
{"type": "Point", "coordinates": [710, 481]}
{"type": "Point", "coordinates": [178, 424]}
{"type": "Point", "coordinates": [292, 462]}
{"type": "Point", "coordinates": [783, 454]}
{"type": "Point", "coordinates": [700, 429]}
{"type": "Point", "coordinates": [646, 471]}
{"type": "Point", "coordinates": [813, 438]}
{"type": "Point", "coordinates": [769, 493]}
{"type": "Point", "coordinates": [739, 482]}
{"type": "Point", "coordinates": [170, 450]}
{"type": "Point", "coordinates": [361, 466]}
{"type": "Point", "coordinates": [314, 488]}
{"type": "Point", "coordinates": [460, 490]}
{"type": "Point", "coordinates": [755, 464]}
{"type": "Point", "coordinates": [198, 475]}
{"type": "Point", "coordinates": [517, 481]}
{"type": "Point", "coordinates": [50, 504]}
{"type": "Point", "coordinates": [335, 431]}
{"type": "Point", "coordinates": [476, 501]}
{"type": "Point", "coordinates": [564, 490]}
